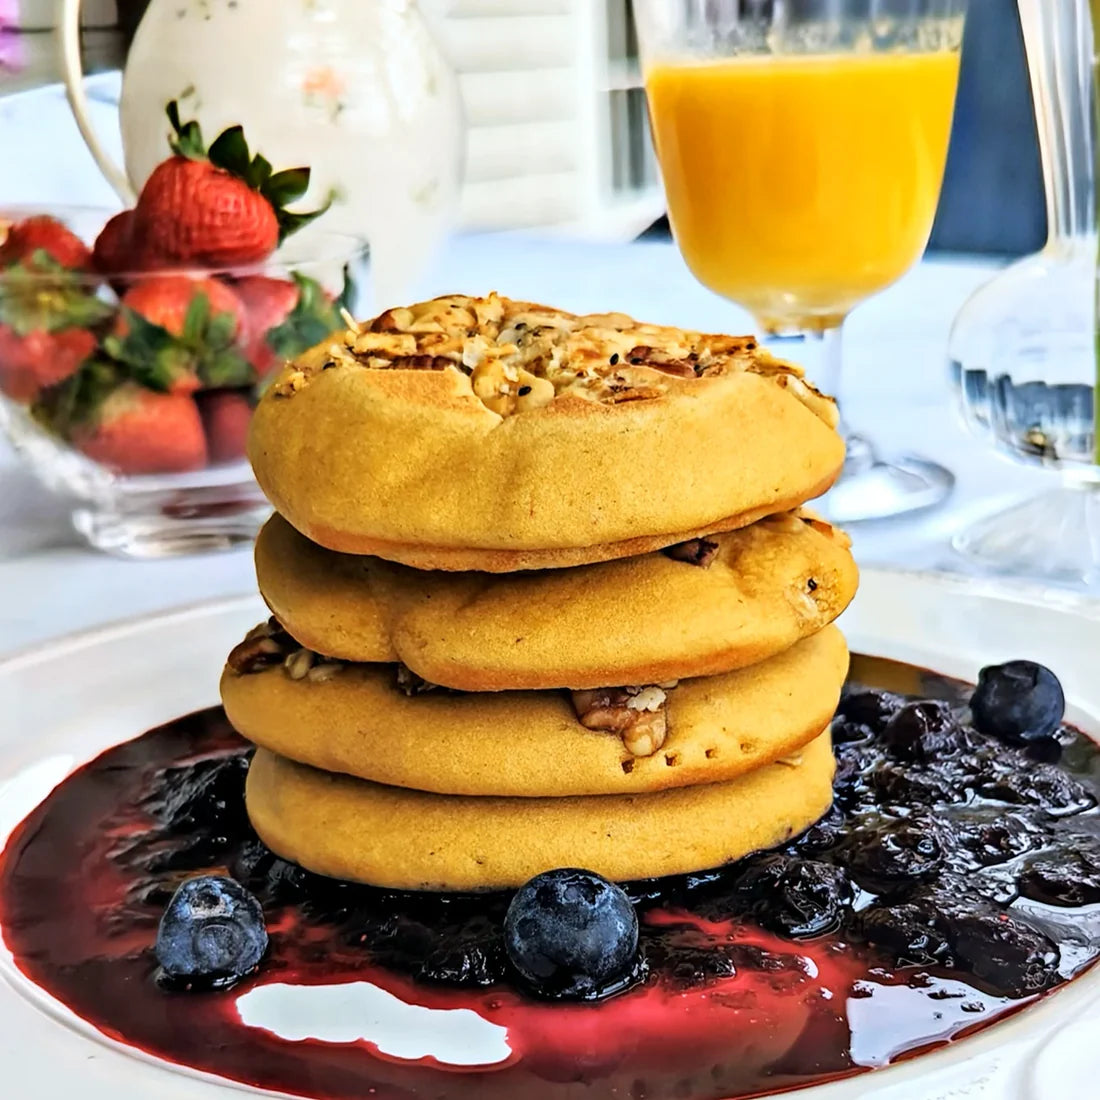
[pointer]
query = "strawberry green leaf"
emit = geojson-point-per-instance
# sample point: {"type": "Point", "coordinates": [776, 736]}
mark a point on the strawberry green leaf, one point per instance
{"type": "Point", "coordinates": [349, 293]}
{"type": "Point", "coordinates": [287, 186]}
{"type": "Point", "coordinates": [230, 151]}
{"type": "Point", "coordinates": [188, 136]}
{"type": "Point", "coordinates": [259, 173]}
{"type": "Point", "coordinates": [226, 368]}
{"type": "Point", "coordinates": [221, 330]}
{"type": "Point", "coordinates": [76, 401]}
{"type": "Point", "coordinates": [313, 318]}
{"type": "Point", "coordinates": [150, 354]}
{"type": "Point", "coordinates": [196, 320]}
{"type": "Point", "coordinates": [43, 296]}
{"type": "Point", "coordinates": [290, 222]}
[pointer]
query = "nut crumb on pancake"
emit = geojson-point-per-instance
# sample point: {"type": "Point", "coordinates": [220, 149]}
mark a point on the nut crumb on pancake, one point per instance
{"type": "Point", "coordinates": [638, 714]}
{"type": "Point", "coordinates": [520, 356]}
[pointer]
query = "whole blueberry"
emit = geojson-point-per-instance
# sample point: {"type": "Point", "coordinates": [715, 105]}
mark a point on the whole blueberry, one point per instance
{"type": "Point", "coordinates": [923, 732]}
{"type": "Point", "coordinates": [571, 934]}
{"type": "Point", "coordinates": [212, 932]}
{"type": "Point", "coordinates": [1017, 702]}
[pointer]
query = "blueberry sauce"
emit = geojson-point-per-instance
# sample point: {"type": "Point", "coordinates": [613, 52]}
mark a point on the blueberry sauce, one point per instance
{"type": "Point", "coordinates": [956, 880]}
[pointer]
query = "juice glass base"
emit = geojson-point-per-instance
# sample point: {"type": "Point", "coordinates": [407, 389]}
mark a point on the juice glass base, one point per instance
{"type": "Point", "coordinates": [871, 487]}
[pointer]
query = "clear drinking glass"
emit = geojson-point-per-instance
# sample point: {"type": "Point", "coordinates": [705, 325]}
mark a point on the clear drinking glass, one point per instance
{"type": "Point", "coordinates": [802, 144]}
{"type": "Point", "coordinates": [1023, 348]}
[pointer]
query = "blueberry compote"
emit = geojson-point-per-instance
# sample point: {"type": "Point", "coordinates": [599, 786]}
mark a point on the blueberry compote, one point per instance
{"type": "Point", "coordinates": [956, 879]}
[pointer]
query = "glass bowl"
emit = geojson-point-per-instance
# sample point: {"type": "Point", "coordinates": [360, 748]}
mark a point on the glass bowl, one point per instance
{"type": "Point", "coordinates": [131, 394]}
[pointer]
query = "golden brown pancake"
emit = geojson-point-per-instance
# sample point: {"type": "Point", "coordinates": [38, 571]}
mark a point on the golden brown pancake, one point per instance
{"type": "Point", "coordinates": [717, 605]}
{"type": "Point", "coordinates": [531, 743]}
{"type": "Point", "coordinates": [489, 434]}
{"type": "Point", "coordinates": [386, 836]}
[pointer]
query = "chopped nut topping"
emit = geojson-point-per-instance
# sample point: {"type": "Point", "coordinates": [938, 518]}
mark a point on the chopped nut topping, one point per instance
{"type": "Point", "coordinates": [299, 663]}
{"type": "Point", "coordinates": [290, 383]}
{"type": "Point", "coordinates": [411, 684]}
{"type": "Point", "coordinates": [263, 646]}
{"type": "Point", "coordinates": [699, 552]}
{"type": "Point", "coordinates": [503, 344]}
{"type": "Point", "coordinates": [638, 714]}
{"type": "Point", "coordinates": [268, 644]}
{"type": "Point", "coordinates": [318, 674]}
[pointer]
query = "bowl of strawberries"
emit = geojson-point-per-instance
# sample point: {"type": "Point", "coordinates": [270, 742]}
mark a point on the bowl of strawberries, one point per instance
{"type": "Point", "coordinates": [134, 345]}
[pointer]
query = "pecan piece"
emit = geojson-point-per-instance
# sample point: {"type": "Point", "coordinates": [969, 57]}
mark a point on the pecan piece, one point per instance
{"type": "Point", "coordinates": [644, 356]}
{"type": "Point", "coordinates": [699, 552]}
{"type": "Point", "coordinates": [637, 714]}
{"type": "Point", "coordinates": [263, 646]}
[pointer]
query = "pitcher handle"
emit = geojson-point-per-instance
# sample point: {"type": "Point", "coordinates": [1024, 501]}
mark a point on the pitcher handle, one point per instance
{"type": "Point", "coordinates": [68, 33]}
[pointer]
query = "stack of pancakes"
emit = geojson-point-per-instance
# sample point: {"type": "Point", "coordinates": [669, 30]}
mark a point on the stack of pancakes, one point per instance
{"type": "Point", "coordinates": [543, 595]}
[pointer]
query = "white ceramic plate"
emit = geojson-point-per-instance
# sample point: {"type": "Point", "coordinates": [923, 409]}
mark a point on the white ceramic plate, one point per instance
{"type": "Point", "coordinates": [62, 704]}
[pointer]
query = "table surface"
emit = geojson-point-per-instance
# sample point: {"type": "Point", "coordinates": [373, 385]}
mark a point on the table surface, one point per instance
{"type": "Point", "coordinates": [895, 387]}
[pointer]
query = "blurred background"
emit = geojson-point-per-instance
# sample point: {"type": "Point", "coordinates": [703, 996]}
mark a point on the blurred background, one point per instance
{"type": "Point", "coordinates": [557, 133]}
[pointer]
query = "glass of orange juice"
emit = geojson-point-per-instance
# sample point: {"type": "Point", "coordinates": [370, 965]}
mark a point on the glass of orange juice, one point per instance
{"type": "Point", "coordinates": [802, 145]}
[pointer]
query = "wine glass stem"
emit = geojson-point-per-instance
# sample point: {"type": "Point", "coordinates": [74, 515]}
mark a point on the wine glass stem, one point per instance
{"type": "Point", "coordinates": [821, 355]}
{"type": "Point", "coordinates": [824, 366]}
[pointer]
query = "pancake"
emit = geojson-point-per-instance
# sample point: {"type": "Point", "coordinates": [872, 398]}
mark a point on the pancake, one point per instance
{"type": "Point", "coordinates": [531, 744]}
{"type": "Point", "coordinates": [635, 620]}
{"type": "Point", "coordinates": [385, 836]}
{"type": "Point", "coordinates": [488, 434]}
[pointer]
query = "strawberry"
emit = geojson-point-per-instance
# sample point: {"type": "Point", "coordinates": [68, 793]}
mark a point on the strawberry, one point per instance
{"type": "Point", "coordinates": [177, 334]}
{"type": "Point", "coordinates": [286, 318]}
{"type": "Point", "coordinates": [40, 359]}
{"type": "Point", "coordinates": [47, 320]}
{"type": "Point", "coordinates": [43, 234]}
{"type": "Point", "coordinates": [137, 431]}
{"type": "Point", "coordinates": [115, 249]}
{"type": "Point", "coordinates": [218, 207]}
{"type": "Point", "coordinates": [225, 416]}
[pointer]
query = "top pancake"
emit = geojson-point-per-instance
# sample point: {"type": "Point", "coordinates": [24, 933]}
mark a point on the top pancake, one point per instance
{"type": "Point", "coordinates": [497, 435]}
{"type": "Point", "coordinates": [637, 620]}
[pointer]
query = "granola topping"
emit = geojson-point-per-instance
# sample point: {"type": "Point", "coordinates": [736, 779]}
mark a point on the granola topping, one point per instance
{"type": "Point", "coordinates": [519, 357]}
{"type": "Point", "coordinates": [639, 715]}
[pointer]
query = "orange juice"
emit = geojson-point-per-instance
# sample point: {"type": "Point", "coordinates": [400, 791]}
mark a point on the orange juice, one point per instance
{"type": "Point", "coordinates": [800, 185]}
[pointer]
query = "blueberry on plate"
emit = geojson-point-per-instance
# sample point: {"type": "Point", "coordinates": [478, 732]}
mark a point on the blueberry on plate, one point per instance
{"type": "Point", "coordinates": [212, 932]}
{"type": "Point", "coordinates": [1014, 779]}
{"type": "Point", "coordinates": [907, 930]}
{"type": "Point", "coordinates": [1066, 877]}
{"type": "Point", "coordinates": [986, 842]}
{"type": "Point", "coordinates": [1017, 702]}
{"type": "Point", "coordinates": [571, 935]}
{"type": "Point", "coordinates": [1006, 954]}
{"type": "Point", "coordinates": [793, 897]}
{"type": "Point", "coordinates": [909, 850]}
{"type": "Point", "coordinates": [923, 732]}
{"type": "Point", "coordinates": [869, 708]}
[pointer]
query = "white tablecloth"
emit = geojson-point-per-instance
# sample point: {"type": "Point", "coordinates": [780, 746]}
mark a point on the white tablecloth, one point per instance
{"type": "Point", "coordinates": [895, 386]}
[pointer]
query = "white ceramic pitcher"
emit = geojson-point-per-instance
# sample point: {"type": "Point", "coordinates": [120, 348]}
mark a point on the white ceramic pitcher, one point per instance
{"type": "Point", "coordinates": [356, 89]}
